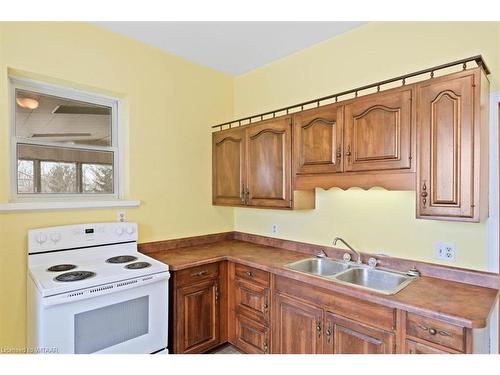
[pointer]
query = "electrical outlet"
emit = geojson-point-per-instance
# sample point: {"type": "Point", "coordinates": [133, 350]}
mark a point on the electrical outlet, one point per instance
{"type": "Point", "coordinates": [122, 216]}
{"type": "Point", "coordinates": [444, 251]}
{"type": "Point", "coordinates": [274, 228]}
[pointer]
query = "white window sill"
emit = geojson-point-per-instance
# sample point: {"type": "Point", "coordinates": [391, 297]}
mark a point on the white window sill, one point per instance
{"type": "Point", "coordinates": [63, 205]}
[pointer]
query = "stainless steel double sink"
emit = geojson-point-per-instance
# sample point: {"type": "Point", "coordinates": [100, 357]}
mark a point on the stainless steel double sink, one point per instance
{"type": "Point", "coordinates": [353, 274]}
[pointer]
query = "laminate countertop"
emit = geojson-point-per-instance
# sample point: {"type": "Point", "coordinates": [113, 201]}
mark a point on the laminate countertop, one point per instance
{"type": "Point", "coordinates": [457, 303]}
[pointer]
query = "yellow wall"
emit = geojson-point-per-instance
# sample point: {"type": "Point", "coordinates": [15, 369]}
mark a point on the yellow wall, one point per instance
{"type": "Point", "coordinates": [376, 220]}
{"type": "Point", "coordinates": [169, 149]}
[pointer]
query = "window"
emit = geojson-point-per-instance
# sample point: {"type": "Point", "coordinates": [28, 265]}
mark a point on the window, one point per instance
{"type": "Point", "coordinates": [64, 143]}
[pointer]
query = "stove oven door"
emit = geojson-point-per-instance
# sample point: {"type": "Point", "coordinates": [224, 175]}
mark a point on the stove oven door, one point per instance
{"type": "Point", "coordinates": [130, 321]}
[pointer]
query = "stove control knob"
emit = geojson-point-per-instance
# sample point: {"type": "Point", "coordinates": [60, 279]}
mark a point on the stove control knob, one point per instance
{"type": "Point", "coordinates": [130, 230]}
{"type": "Point", "coordinates": [119, 231]}
{"type": "Point", "coordinates": [55, 237]}
{"type": "Point", "coordinates": [41, 238]}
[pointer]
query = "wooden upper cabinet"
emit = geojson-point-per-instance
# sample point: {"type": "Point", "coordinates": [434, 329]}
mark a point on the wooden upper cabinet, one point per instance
{"type": "Point", "coordinates": [345, 336]}
{"type": "Point", "coordinates": [318, 140]}
{"type": "Point", "coordinates": [269, 163]}
{"type": "Point", "coordinates": [297, 327]}
{"type": "Point", "coordinates": [228, 163]}
{"type": "Point", "coordinates": [378, 131]}
{"type": "Point", "coordinates": [450, 144]}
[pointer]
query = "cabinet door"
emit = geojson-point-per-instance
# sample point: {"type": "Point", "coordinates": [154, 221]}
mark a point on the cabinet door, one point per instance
{"type": "Point", "coordinates": [197, 325]}
{"type": "Point", "coordinates": [413, 347]}
{"type": "Point", "coordinates": [269, 163]}
{"type": "Point", "coordinates": [228, 167]}
{"type": "Point", "coordinates": [345, 336]}
{"type": "Point", "coordinates": [445, 147]}
{"type": "Point", "coordinates": [252, 300]}
{"type": "Point", "coordinates": [318, 140]}
{"type": "Point", "coordinates": [378, 132]}
{"type": "Point", "coordinates": [297, 327]}
{"type": "Point", "coordinates": [251, 337]}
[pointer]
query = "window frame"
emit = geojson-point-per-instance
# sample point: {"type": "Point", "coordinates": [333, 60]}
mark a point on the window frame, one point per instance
{"type": "Point", "coordinates": [42, 88]}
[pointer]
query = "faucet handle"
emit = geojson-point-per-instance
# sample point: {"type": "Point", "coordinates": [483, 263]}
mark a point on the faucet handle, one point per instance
{"type": "Point", "coordinates": [372, 262]}
{"type": "Point", "coordinates": [346, 257]}
{"type": "Point", "coordinates": [321, 254]}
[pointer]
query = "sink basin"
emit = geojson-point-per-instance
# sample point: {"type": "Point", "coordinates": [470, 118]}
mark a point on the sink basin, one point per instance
{"type": "Point", "coordinates": [318, 266]}
{"type": "Point", "coordinates": [374, 279]}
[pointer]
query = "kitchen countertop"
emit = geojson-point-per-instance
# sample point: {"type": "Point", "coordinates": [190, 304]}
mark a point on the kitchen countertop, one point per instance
{"type": "Point", "coordinates": [462, 304]}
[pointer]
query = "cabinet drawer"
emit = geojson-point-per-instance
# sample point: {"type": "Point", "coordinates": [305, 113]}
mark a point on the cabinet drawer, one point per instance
{"type": "Point", "coordinates": [252, 300]}
{"type": "Point", "coordinates": [436, 331]}
{"type": "Point", "coordinates": [251, 337]}
{"type": "Point", "coordinates": [413, 347]}
{"type": "Point", "coordinates": [253, 274]}
{"type": "Point", "coordinates": [198, 273]}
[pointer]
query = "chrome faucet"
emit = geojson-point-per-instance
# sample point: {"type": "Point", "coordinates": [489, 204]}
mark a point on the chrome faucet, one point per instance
{"type": "Point", "coordinates": [351, 249]}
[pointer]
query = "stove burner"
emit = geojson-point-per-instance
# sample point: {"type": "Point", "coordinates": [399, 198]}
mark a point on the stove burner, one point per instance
{"type": "Point", "coordinates": [121, 259]}
{"type": "Point", "coordinates": [137, 265]}
{"type": "Point", "coordinates": [74, 276]}
{"type": "Point", "coordinates": [61, 267]}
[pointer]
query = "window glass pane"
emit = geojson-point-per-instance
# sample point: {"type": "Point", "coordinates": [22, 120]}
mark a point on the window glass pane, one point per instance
{"type": "Point", "coordinates": [25, 181]}
{"type": "Point", "coordinates": [56, 177]}
{"type": "Point", "coordinates": [64, 170]}
{"type": "Point", "coordinates": [97, 178]}
{"type": "Point", "coordinates": [47, 118]}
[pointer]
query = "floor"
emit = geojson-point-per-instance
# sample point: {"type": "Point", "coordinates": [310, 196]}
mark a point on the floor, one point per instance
{"type": "Point", "coordinates": [226, 349]}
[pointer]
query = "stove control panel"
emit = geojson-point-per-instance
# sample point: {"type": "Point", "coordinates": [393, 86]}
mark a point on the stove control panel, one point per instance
{"type": "Point", "coordinates": [80, 235]}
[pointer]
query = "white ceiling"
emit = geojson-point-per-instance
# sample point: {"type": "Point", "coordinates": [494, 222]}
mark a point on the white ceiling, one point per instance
{"type": "Point", "coordinates": [231, 47]}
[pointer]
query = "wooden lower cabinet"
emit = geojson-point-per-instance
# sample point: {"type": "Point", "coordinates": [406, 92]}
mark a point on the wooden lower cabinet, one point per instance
{"type": "Point", "coordinates": [261, 313]}
{"type": "Point", "coordinates": [345, 336]}
{"type": "Point", "coordinates": [252, 300]}
{"type": "Point", "coordinates": [413, 347]}
{"type": "Point", "coordinates": [198, 317]}
{"type": "Point", "coordinates": [251, 337]}
{"type": "Point", "coordinates": [297, 326]}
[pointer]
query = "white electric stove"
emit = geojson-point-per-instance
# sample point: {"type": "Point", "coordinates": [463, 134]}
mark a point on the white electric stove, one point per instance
{"type": "Point", "coordinates": [91, 291]}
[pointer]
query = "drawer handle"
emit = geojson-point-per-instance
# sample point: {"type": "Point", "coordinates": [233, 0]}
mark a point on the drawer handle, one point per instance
{"type": "Point", "coordinates": [249, 273]}
{"type": "Point", "coordinates": [201, 273]}
{"type": "Point", "coordinates": [433, 331]}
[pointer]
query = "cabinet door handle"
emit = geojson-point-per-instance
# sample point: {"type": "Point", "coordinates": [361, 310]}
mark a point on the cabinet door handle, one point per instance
{"type": "Point", "coordinates": [243, 195]}
{"type": "Point", "coordinates": [318, 327]}
{"type": "Point", "coordinates": [201, 273]}
{"type": "Point", "coordinates": [216, 292]}
{"type": "Point", "coordinates": [339, 153]}
{"type": "Point", "coordinates": [348, 153]}
{"type": "Point", "coordinates": [328, 332]}
{"type": "Point", "coordinates": [247, 196]}
{"type": "Point", "coordinates": [424, 194]}
{"type": "Point", "coordinates": [265, 346]}
{"type": "Point", "coordinates": [249, 273]}
{"type": "Point", "coordinates": [266, 306]}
